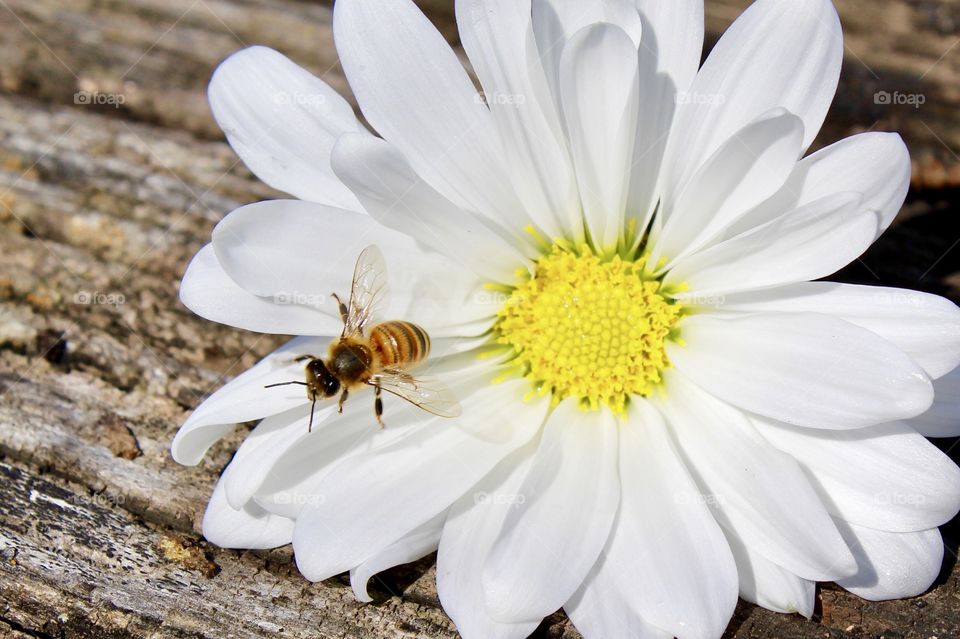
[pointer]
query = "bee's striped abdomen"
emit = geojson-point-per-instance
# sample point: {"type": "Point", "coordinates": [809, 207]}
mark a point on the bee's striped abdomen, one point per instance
{"type": "Point", "coordinates": [398, 343]}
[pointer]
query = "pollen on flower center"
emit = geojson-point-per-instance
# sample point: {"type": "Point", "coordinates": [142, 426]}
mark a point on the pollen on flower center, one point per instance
{"type": "Point", "coordinates": [589, 328]}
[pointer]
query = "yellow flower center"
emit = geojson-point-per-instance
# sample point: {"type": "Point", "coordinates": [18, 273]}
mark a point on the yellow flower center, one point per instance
{"type": "Point", "coordinates": [589, 328]}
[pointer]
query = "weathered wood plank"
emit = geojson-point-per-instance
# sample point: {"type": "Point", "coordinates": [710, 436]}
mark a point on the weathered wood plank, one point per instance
{"type": "Point", "coordinates": [84, 567]}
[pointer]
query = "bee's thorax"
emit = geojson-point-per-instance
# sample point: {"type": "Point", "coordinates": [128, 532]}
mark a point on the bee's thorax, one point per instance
{"type": "Point", "coordinates": [350, 361]}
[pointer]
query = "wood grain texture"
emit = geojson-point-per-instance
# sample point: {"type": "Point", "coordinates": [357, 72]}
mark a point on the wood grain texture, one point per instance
{"type": "Point", "coordinates": [101, 208]}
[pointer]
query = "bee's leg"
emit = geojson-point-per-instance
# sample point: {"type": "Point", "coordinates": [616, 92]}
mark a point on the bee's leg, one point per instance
{"type": "Point", "coordinates": [343, 398]}
{"type": "Point", "coordinates": [343, 307]}
{"type": "Point", "coordinates": [304, 358]}
{"type": "Point", "coordinates": [378, 405]}
{"type": "Point", "coordinates": [312, 406]}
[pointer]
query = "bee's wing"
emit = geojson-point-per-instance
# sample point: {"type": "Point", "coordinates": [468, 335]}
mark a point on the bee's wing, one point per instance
{"type": "Point", "coordinates": [429, 394]}
{"type": "Point", "coordinates": [368, 293]}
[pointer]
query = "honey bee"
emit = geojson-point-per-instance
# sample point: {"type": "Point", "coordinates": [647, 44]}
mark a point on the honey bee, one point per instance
{"type": "Point", "coordinates": [378, 357]}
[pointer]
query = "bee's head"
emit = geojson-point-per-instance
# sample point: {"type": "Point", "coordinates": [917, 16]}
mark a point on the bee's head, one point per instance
{"type": "Point", "coordinates": [321, 379]}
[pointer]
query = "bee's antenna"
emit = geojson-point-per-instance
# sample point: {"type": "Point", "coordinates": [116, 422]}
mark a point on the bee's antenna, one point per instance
{"type": "Point", "coordinates": [313, 404]}
{"type": "Point", "coordinates": [285, 384]}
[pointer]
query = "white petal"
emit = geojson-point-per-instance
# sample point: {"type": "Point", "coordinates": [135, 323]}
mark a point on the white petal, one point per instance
{"type": "Point", "coordinates": [291, 483]}
{"type": "Point", "coordinates": [245, 399]}
{"type": "Point", "coordinates": [892, 565]}
{"type": "Point", "coordinates": [656, 108]}
{"type": "Point", "coordinates": [746, 169]}
{"type": "Point", "coordinates": [886, 477]}
{"type": "Point", "coordinates": [602, 608]}
{"type": "Point", "coordinates": [289, 486]}
{"type": "Point", "coordinates": [673, 36]}
{"type": "Point", "coordinates": [498, 38]}
{"type": "Point", "coordinates": [757, 493]}
{"type": "Point", "coordinates": [670, 51]}
{"type": "Point", "coordinates": [272, 437]}
{"type": "Point", "coordinates": [372, 499]}
{"type": "Point", "coordinates": [418, 543]}
{"type": "Point", "coordinates": [810, 242]}
{"type": "Point", "coordinates": [288, 248]}
{"type": "Point", "coordinates": [412, 88]}
{"type": "Point", "coordinates": [300, 252]}
{"type": "Point", "coordinates": [397, 198]}
{"type": "Point", "coordinates": [250, 527]}
{"type": "Point", "coordinates": [551, 540]}
{"type": "Point", "coordinates": [926, 327]}
{"type": "Point", "coordinates": [943, 418]}
{"type": "Point", "coordinates": [468, 535]}
{"type": "Point", "coordinates": [777, 54]}
{"type": "Point", "coordinates": [282, 121]}
{"type": "Point", "coordinates": [281, 455]}
{"type": "Point", "coordinates": [574, 15]}
{"type": "Point", "coordinates": [768, 585]}
{"type": "Point", "coordinates": [801, 368]}
{"type": "Point", "coordinates": [666, 556]}
{"type": "Point", "coordinates": [876, 165]}
{"type": "Point", "coordinates": [209, 292]}
{"type": "Point", "coordinates": [599, 94]}
{"type": "Point", "coordinates": [556, 21]}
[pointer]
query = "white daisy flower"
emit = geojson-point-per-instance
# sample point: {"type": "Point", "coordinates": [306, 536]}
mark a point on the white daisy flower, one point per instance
{"type": "Point", "coordinates": [614, 250]}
